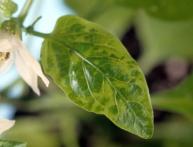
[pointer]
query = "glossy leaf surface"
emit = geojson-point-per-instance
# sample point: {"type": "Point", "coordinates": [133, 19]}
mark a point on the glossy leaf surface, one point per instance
{"type": "Point", "coordinates": [96, 72]}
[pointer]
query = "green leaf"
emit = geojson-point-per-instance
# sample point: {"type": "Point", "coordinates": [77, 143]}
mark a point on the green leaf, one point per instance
{"type": "Point", "coordinates": [96, 72]}
{"type": "Point", "coordinates": [7, 8]}
{"type": "Point", "coordinates": [38, 135]}
{"type": "Point", "coordinates": [178, 130]}
{"type": "Point", "coordinates": [164, 39]}
{"type": "Point", "coordinates": [179, 99]}
{"type": "Point", "coordinates": [35, 131]}
{"type": "Point", "coordinates": [5, 143]}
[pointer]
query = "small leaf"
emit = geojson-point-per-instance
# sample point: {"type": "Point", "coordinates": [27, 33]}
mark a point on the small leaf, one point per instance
{"type": "Point", "coordinates": [96, 72]}
{"type": "Point", "coordinates": [179, 99]}
{"type": "Point", "coordinates": [7, 7]}
{"type": "Point", "coordinates": [5, 143]}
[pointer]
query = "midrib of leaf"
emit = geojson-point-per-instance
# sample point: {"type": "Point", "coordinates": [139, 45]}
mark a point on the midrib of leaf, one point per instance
{"type": "Point", "coordinates": [88, 85]}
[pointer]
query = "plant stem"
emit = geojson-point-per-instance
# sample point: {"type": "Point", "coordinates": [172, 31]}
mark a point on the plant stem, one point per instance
{"type": "Point", "coordinates": [25, 10]}
{"type": "Point", "coordinates": [39, 34]}
{"type": "Point", "coordinates": [30, 29]}
{"type": "Point", "coordinates": [36, 33]}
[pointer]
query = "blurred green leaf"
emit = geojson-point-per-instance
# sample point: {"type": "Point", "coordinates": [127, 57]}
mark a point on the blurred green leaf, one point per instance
{"type": "Point", "coordinates": [50, 102]}
{"type": "Point", "coordinates": [172, 9]}
{"type": "Point", "coordinates": [6, 143]}
{"type": "Point", "coordinates": [36, 131]}
{"type": "Point", "coordinates": [175, 131]}
{"type": "Point", "coordinates": [102, 12]}
{"type": "Point", "coordinates": [90, 9]}
{"type": "Point", "coordinates": [7, 8]}
{"type": "Point", "coordinates": [135, 3]}
{"type": "Point", "coordinates": [55, 124]}
{"type": "Point", "coordinates": [98, 74]}
{"type": "Point", "coordinates": [69, 133]}
{"type": "Point", "coordinates": [163, 39]}
{"type": "Point", "coordinates": [123, 17]}
{"type": "Point", "coordinates": [179, 99]}
{"type": "Point", "coordinates": [162, 9]}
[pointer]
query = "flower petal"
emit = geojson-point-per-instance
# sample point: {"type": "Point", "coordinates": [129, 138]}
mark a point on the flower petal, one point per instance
{"type": "Point", "coordinates": [5, 125]}
{"type": "Point", "coordinates": [27, 73]}
{"type": "Point", "coordinates": [5, 45]}
{"type": "Point", "coordinates": [27, 66]}
{"type": "Point", "coordinates": [5, 42]}
{"type": "Point", "coordinates": [31, 62]}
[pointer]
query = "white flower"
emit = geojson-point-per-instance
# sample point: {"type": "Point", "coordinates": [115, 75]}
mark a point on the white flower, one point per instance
{"type": "Point", "coordinates": [5, 125]}
{"type": "Point", "coordinates": [12, 50]}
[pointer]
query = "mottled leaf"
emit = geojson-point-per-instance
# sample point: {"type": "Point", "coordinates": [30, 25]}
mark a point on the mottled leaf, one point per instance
{"type": "Point", "coordinates": [5, 143]}
{"type": "Point", "coordinates": [96, 72]}
{"type": "Point", "coordinates": [178, 99]}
